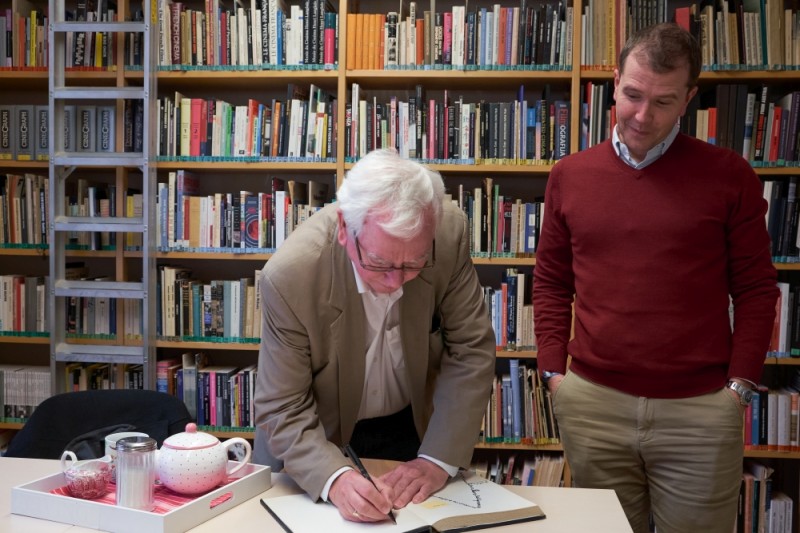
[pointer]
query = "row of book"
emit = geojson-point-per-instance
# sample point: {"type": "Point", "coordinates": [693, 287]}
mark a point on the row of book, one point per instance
{"type": "Point", "coordinates": [762, 506]}
{"type": "Point", "coordinates": [24, 38]}
{"type": "Point", "coordinates": [745, 34]}
{"type": "Point", "coordinates": [782, 218]}
{"type": "Point", "coordinates": [22, 388]}
{"type": "Point", "coordinates": [760, 123]}
{"type": "Point", "coordinates": [102, 376]}
{"type": "Point", "coordinates": [243, 221]}
{"type": "Point", "coordinates": [267, 33]}
{"type": "Point", "coordinates": [495, 37]}
{"type": "Point", "coordinates": [303, 126]}
{"type": "Point", "coordinates": [189, 308]}
{"type": "Point", "coordinates": [23, 209]}
{"type": "Point", "coordinates": [499, 224]}
{"type": "Point", "coordinates": [539, 470]}
{"type": "Point", "coordinates": [771, 419]}
{"type": "Point", "coordinates": [215, 395]}
{"type": "Point", "coordinates": [89, 316]}
{"type": "Point", "coordinates": [23, 307]}
{"type": "Point", "coordinates": [520, 409]}
{"type": "Point", "coordinates": [511, 310]}
{"type": "Point", "coordinates": [24, 130]}
{"type": "Point", "coordinates": [733, 34]}
{"type": "Point", "coordinates": [446, 128]}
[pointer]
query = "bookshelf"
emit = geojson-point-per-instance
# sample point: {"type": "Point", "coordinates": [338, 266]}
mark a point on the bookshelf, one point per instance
{"type": "Point", "coordinates": [27, 85]}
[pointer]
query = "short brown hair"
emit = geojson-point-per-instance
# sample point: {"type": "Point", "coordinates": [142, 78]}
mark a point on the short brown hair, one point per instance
{"type": "Point", "coordinates": [665, 47]}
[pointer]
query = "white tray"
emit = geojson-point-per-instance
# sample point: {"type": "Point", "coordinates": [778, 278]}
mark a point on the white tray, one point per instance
{"type": "Point", "coordinates": [34, 499]}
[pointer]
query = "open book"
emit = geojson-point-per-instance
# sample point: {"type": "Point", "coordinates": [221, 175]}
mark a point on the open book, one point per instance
{"type": "Point", "coordinates": [467, 502]}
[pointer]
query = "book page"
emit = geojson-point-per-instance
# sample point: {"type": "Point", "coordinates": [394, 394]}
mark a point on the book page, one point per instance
{"type": "Point", "coordinates": [469, 500]}
{"type": "Point", "coordinates": [297, 513]}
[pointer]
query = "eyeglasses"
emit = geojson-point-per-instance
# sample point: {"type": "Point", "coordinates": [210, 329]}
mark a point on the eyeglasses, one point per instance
{"type": "Point", "coordinates": [391, 268]}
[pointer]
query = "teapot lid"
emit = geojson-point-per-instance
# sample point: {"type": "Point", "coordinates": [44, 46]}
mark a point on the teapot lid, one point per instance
{"type": "Point", "coordinates": [191, 439]}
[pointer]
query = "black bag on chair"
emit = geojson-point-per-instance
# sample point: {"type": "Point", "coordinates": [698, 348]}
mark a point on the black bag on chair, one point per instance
{"type": "Point", "coordinates": [82, 420]}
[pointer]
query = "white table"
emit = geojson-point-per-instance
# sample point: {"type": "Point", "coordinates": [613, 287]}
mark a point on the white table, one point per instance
{"type": "Point", "coordinates": [567, 510]}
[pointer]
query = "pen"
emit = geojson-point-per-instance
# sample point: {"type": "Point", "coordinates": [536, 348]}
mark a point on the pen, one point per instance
{"type": "Point", "coordinates": [353, 457]}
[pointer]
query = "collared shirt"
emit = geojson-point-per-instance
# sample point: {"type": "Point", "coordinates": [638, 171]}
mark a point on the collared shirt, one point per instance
{"type": "Point", "coordinates": [385, 389]}
{"type": "Point", "coordinates": [654, 153]}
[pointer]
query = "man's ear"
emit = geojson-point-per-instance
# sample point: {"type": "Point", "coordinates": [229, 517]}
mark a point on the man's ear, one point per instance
{"type": "Point", "coordinates": [341, 230]}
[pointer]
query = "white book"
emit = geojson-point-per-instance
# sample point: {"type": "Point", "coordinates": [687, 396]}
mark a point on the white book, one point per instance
{"type": "Point", "coordinates": [234, 39]}
{"type": "Point", "coordinates": [458, 48]}
{"type": "Point", "coordinates": [362, 128]}
{"type": "Point", "coordinates": [411, 35]}
{"type": "Point", "coordinates": [170, 209]}
{"type": "Point", "coordinates": [240, 148]}
{"type": "Point", "coordinates": [494, 21]}
{"type": "Point", "coordinates": [236, 316]}
{"type": "Point", "coordinates": [255, 31]}
{"type": "Point", "coordinates": [242, 33]}
{"type": "Point", "coordinates": [466, 502]}
{"type": "Point", "coordinates": [280, 217]}
{"type": "Point", "coordinates": [466, 132]}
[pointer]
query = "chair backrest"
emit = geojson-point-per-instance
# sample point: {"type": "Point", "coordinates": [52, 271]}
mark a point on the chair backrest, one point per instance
{"type": "Point", "coordinates": [82, 419]}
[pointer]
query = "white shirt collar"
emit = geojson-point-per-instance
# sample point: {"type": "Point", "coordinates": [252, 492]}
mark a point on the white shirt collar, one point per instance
{"type": "Point", "coordinates": [654, 153]}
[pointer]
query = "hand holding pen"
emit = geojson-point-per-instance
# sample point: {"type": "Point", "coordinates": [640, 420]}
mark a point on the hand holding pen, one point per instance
{"type": "Point", "coordinates": [348, 450]}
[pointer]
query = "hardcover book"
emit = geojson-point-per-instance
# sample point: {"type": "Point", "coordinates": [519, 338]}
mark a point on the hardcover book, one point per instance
{"type": "Point", "coordinates": [7, 132]}
{"type": "Point", "coordinates": [466, 503]}
{"type": "Point", "coordinates": [41, 149]}
{"type": "Point", "coordinates": [25, 124]}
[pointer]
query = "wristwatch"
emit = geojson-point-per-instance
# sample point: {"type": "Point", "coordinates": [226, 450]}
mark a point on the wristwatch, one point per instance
{"type": "Point", "coordinates": [547, 374]}
{"type": "Point", "coordinates": [745, 393]}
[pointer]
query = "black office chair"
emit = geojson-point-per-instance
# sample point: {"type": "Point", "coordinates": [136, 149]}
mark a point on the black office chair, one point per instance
{"type": "Point", "coordinates": [79, 421]}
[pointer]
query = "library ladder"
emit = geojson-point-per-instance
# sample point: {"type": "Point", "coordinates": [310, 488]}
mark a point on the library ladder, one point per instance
{"type": "Point", "coordinates": [65, 160]}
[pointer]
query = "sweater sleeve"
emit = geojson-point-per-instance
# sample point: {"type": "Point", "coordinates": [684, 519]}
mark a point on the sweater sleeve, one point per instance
{"type": "Point", "coordinates": [752, 277]}
{"type": "Point", "coordinates": [553, 281]}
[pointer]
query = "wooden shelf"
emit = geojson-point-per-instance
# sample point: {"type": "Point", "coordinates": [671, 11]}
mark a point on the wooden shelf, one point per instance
{"type": "Point", "coordinates": [710, 76]}
{"type": "Point", "coordinates": [447, 79]}
{"type": "Point", "coordinates": [242, 79]}
{"type": "Point", "coordinates": [521, 354]}
{"type": "Point", "coordinates": [769, 454]}
{"type": "Point", "coordinates": [504, 261]}
{"type": "Point", "coordinates": [520, 447]}
{"type": "Point", "coordinates": [229, 433]}
{"type": "Point", "coordinates": [246, 166]}
{"type": "Point", "coordinates": [782, 361]}
{"type": "Point", "coordinates": [193, 345]}
{"type": "Point", "coordinates": [19, 339]}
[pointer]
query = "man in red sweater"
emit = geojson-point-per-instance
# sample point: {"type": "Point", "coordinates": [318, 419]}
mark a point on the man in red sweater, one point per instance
{"type": "Point", "coordinates": [652, 234]}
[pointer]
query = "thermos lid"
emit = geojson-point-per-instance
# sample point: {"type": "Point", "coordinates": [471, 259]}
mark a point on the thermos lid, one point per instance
{"type": "Point", "coordinates": [136, 444]}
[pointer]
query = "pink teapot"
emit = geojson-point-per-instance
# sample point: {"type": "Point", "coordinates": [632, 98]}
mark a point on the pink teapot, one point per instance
{"type": "Point", "coordinates": [193, 462]}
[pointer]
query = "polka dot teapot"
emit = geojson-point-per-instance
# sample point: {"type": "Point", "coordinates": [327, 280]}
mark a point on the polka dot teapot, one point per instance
{"type": "Point", "coordinates": [193, 462]}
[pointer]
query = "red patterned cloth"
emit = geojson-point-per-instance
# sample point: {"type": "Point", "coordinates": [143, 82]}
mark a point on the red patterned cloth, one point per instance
{"type": "Point", "coordinates": [166, 500]}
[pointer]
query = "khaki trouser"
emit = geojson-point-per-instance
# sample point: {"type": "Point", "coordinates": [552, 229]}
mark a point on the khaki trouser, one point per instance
{"type": "Point", "coordinates": [680, 459]}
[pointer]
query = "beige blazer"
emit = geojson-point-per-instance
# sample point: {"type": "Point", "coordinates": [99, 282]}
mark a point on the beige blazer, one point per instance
{"type": "Point", "coordinates": [312, 355]}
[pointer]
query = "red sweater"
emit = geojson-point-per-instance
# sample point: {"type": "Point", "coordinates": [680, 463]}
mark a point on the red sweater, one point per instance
{"type": "Point", "coordinates": [651, 257]}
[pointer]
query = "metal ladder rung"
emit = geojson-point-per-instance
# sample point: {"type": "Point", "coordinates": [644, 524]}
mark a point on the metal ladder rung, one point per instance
{"type": "Point", "coordinates": [98, 93]}
{"type": "Point", "coordinates": [99, 159]}
{"type": "Point", "coordinates": [127, 26]}
{"type": "Point", "coordinates": [97, 353]}
{"type": "Point", "coordinates": [110, 224]}
{"type": "Point", "coordinates": [99, 289]}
